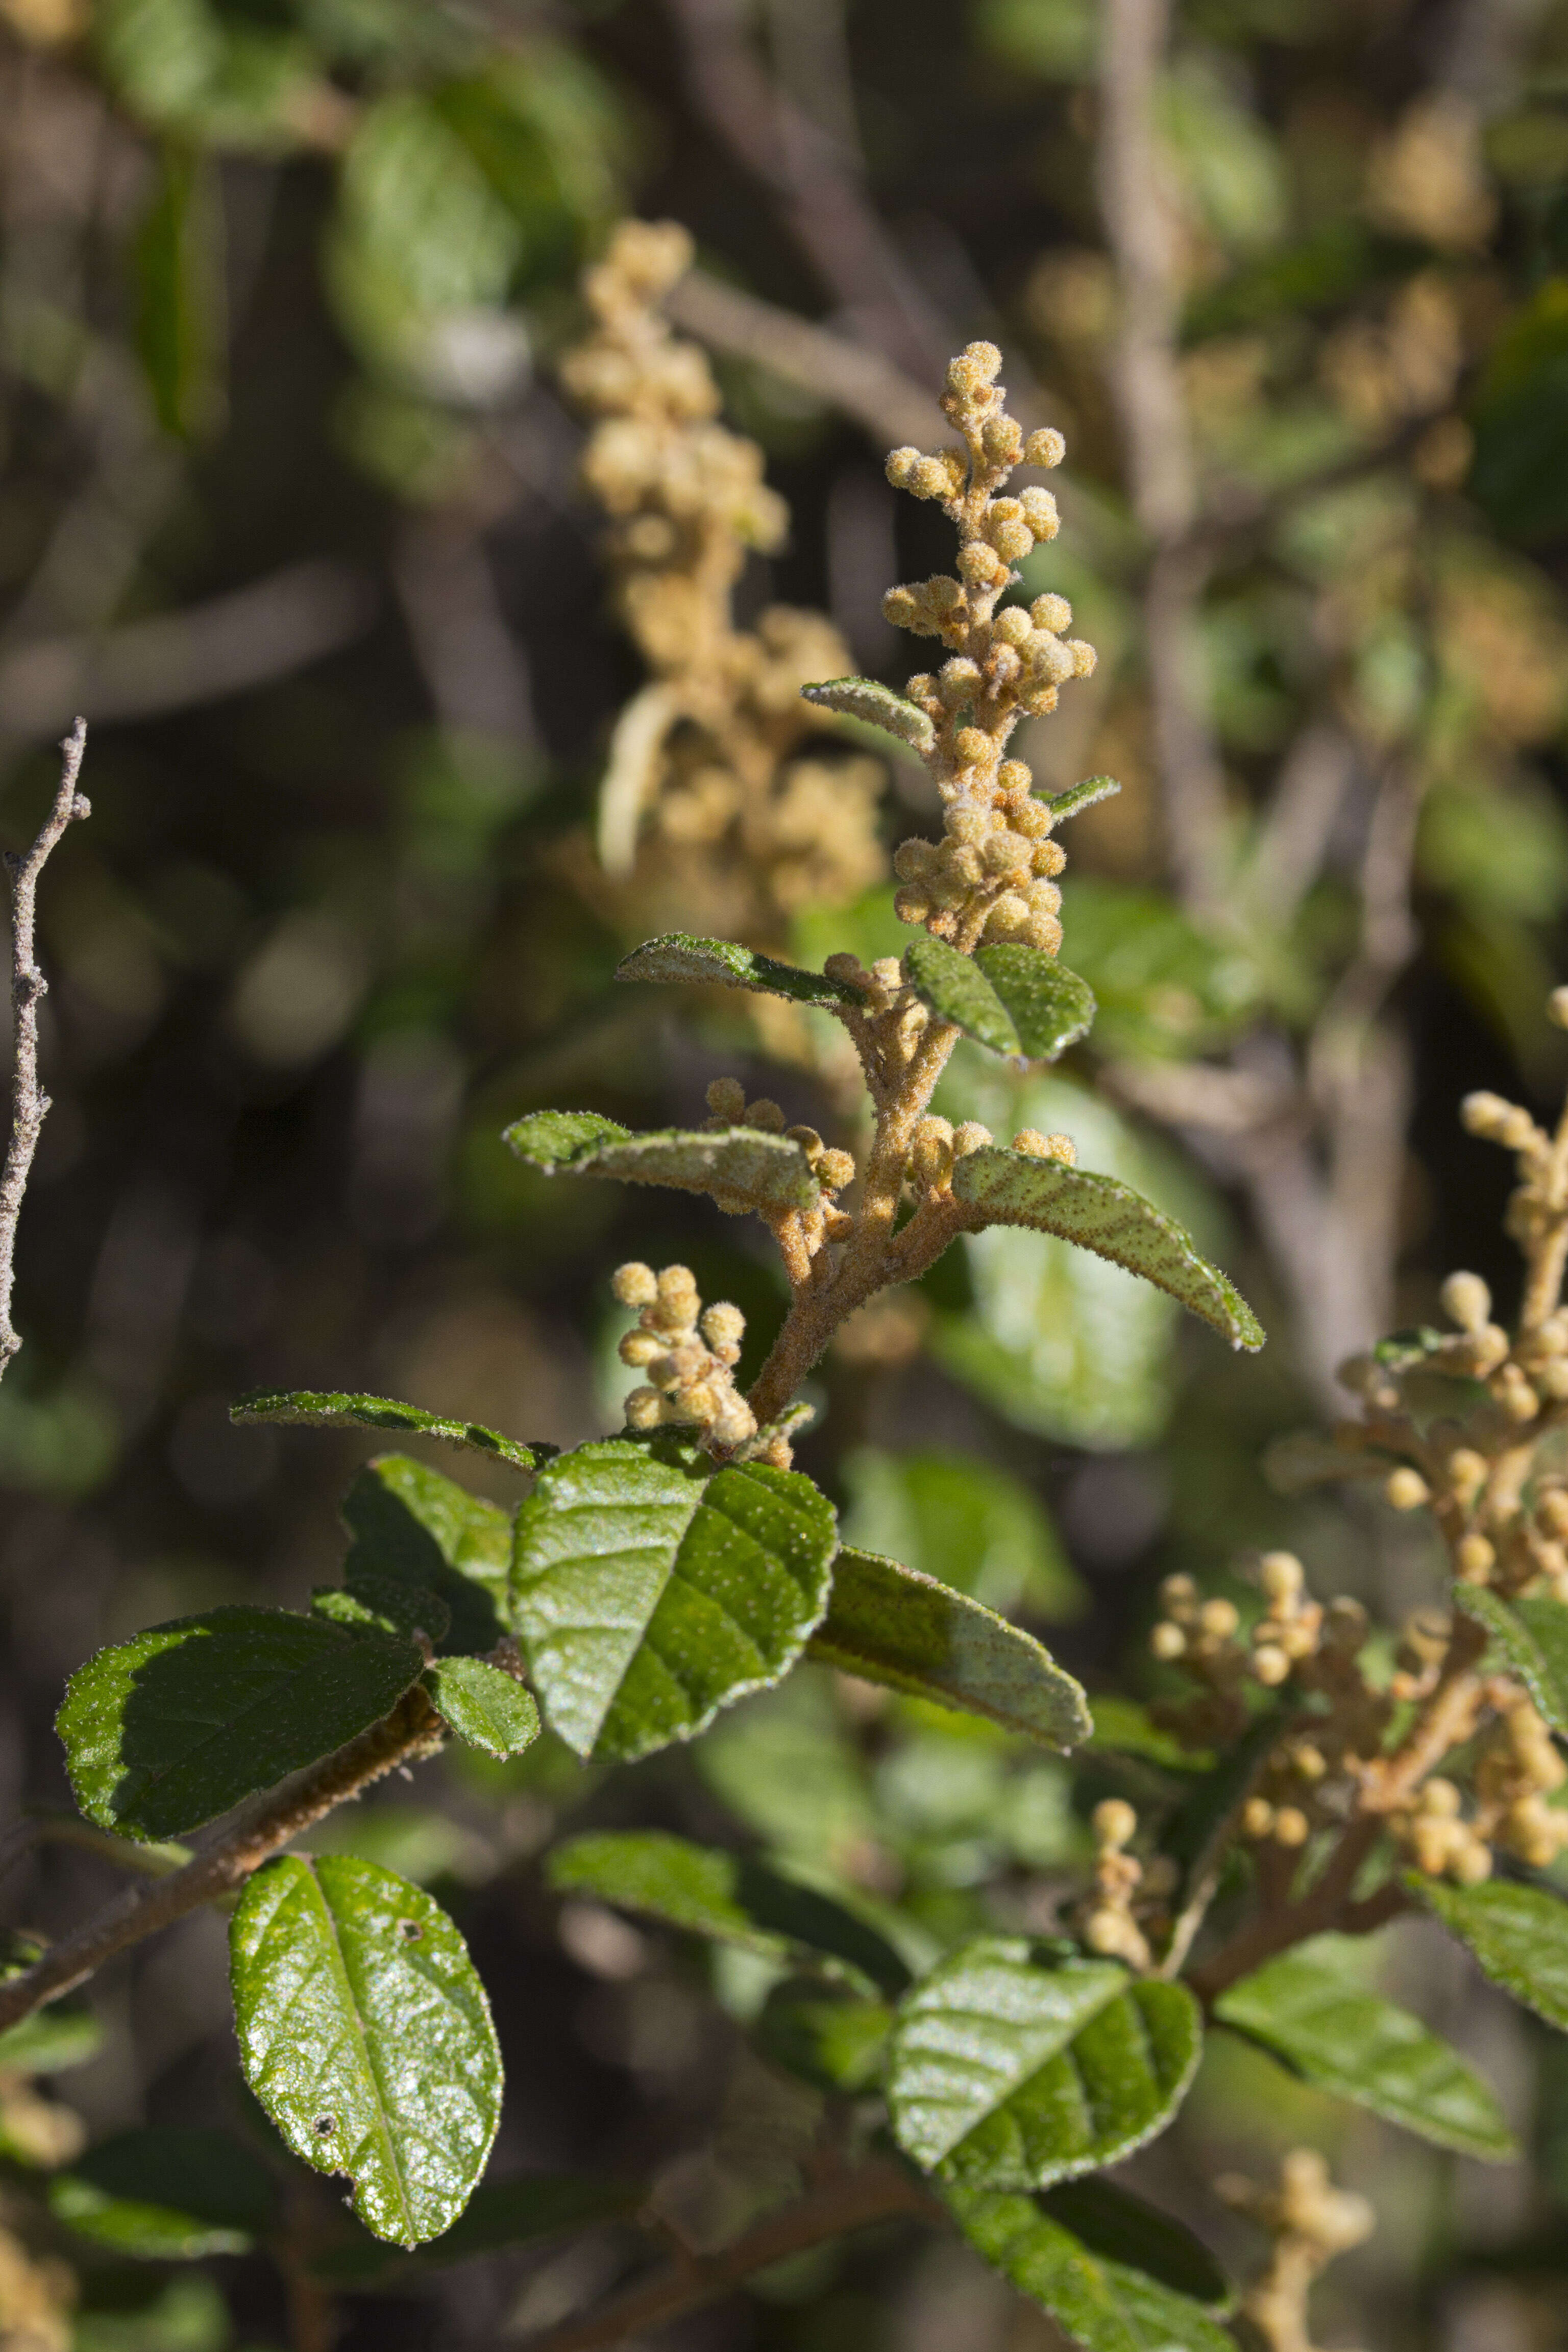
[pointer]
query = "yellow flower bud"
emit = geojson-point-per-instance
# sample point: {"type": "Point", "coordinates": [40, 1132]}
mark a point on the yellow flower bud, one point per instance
{"type": "Point", "coordinates": [1044, 446]}
{"type": "Point", "coordinates": [635, 1283]}
{"type": "Point", "coordinates": [1406, 1489]}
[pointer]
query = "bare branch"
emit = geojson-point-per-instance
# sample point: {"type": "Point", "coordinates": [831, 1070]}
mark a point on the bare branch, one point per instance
{"type": "Point", "coordinates": [28, 1103]}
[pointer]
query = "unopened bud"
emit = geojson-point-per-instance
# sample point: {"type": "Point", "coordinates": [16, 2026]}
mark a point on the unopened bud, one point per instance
{"type": "Point", "coordinates": [727, 1099]}
{"type": "Point", "coordinates": [1280, 1574]}
{"type": "Point", "coordinates": [1291, 1826]}
{"type": "Point", "coordinates": [1406, 1489]}
{"type": "Point", "coordinates": [1114, 1822]}
{"type": "Point", "coordinates": [635, 1285]}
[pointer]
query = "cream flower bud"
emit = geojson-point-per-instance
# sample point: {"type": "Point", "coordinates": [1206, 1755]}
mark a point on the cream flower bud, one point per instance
{"type": "Point", "coordinates": [1040, 514]}
{"type": "Point", "coordinates": [1012, 625]}
{"type": "Point", "coordinates": [635, 1285]}
{"type": "Point", "coordinates": [835, 1170]}
{"type": "Point", "coordinates": [1467, 1301]}
{"type": "Point", "coordinates": [1044, 446]}
{"type": "Point", "coordinates": [1085, 660]}
{"type": "Point", "coordinates": [1406, 1489]}
{"type": "Point", "coordinates": [1557, 1007]}
{"type": "Point", "coordinates": [958, 682]}
{"type": "Point", "coordinates": [644, 1409]}
{"type": "Point", "coordinates": [727, 1099]}
{"type": "Point", "coordinates": [969, 1137]}
{"type": "Point", "coordinates": [928, 477]}
{"type": "Point", "coordinates": [723, 1325]}
{"type": "Point", "coordinates": [1281, 1575]}
{"type": "Point", "coordinates": [1291, 1826]}
{"type": "Point", "coordinates": [765, 1115]}
{"type": "Point", "coordinates": [900, 465]}
{"type": "Point", "coordinates": [1167, 1641]}
{"type": "Point", "coordinates": [1113, 1821]}
{"type": "Point", "coordinates": [1051, 612]}
{"type": "Point", "coordinates": [639, 1348]}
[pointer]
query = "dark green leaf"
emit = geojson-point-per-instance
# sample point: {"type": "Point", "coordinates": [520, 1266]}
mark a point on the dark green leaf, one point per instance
{"type": "Point", "coordinates": [1518, 1934]}
{"type": "Point", "coordinates": [1081, 796]}
{"type": "Point", "coordinates": [1010, 2068]}
{"type": "Point", "coordinates": [875, 706]}
{"type": "Point", "coordinates": [331, 1409]}
{"type": "Point", "coordinates": [650, 1593]}
{"type": "Point", "coordinates": [1120, 2228]}
{"type": "Point", "coordinates": [1097, 1213]}
{"type": "Point", "coordinates": [1051, 1007]}
{"type": "Point", "coordinates": [411, 1523]}
{"type": "Point", "coordinates": [967, 1522]}
{"type": "Point", "coordinates": [499, 2215]}
{"type": "Point", "coordinates": [824, 2035]}
{"type": "Point", "coordinates": [730, 1896]}
{"type": "Point", "coordinates": [1520, 470]}
{"type": "Point", "coordinates": [1533, 1634]}
{"type": "Point", "coordinates": [1306, 2011]}
{"type": "Point", "coordinates": [164, 1732]}
{"type": "Point", "coordinates": [741, 1167]}
{"type": "Point", "coordinates": [365, 2034]}
{"type": "Point", "coordinates": [679, 956]}
{"type": "Point", "coordinates": [1103, 2304]}
{"type": "Point", "coordinates": [180, 326]}
{"type": "Point", "coordinates": [370, 1603]}
{"type": "Point", "coordinates": [483, 1705]}
{"type": "Point", "coordinates": [1121, 1725]}
{"type": "Point", "coordinates": [51, 2039]}
{"type": "Point", "coordinates": [167, 2194]}
{"type": "Point", "coordinates": [890, 1625]}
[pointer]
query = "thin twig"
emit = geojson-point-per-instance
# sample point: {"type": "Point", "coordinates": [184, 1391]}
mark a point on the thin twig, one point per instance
{"type": "Point", "coordinates": [28, 1103]}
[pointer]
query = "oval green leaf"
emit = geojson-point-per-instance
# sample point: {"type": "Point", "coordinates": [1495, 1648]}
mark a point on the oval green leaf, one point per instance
{"type": "Point", "coordinates": [164, 1732]}
{"type": "Point", "coordinates": [560, 1138]}
{"type": "Point", "coordinates": [1304, 2011]}
{"type": "Point", "coordinates": [875, 706]}
{"type": "Point", "coordinates": [956, 990]}
{"type": "Point", "coordinates": [891, 1624]}
{"type": "Point", "coordinates": [650, 1593]}
{"type": "Point", "coordinates": [680, 957]}
{"type": "Point", "coordinates": [365, 2033]}
{"type": "Point", "coordinates": [1533, 1634]}
{"type": "Point", "coordinates": [741, 1167]}
{"type": "Point", "coordinates": [336, 1409]}
{"type": "Point", "coordinates": [1009, 2069]}
{"type": "Point", "coordinates": [1010, 1188]}
{"type": "Point", "coordinates": [411, 1523]}
{"type": "Point", "coordinates": [483, 1705]}
{"type": "Point", "coordinates": [1518, 1934]}
{"type": "Point", "coordinates": [167, 2195]}
{"type": "Point", "coordinates": [1051, 1007]}
{"type": "Point", "coordinates": [1105, 2304]}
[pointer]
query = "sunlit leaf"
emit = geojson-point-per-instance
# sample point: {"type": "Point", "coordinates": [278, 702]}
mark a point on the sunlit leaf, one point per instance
{"type": "Point", "coordinates": [483, 1705]}
{"type": "Point", "coordinates": [1531, 1632]}
{"type": "Point", "coordinates": [875, 706]}
{"type": "Point", "coordinates": [331, 1409]}
{"type": "Point", "coordinates": [741, 1167]}
{"type": "Point", "coordinates": [1518, 1934]}
{"type": "Point", "coordinates": [680, 957]}
{"type": "Point", "coordinates": [365, 2033]}
{"type": "Point", "coordinates": [371, 1604]}
{"type": "Point", "coordinates": [1013, 999]}
{"type": "Point", "coordinates": [1103, 2303]}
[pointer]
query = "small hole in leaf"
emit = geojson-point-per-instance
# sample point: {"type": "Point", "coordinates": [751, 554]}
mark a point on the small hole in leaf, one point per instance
{"type": "Point", "coordinates": [410, 1930]}
{"type": "Point", "coordinates": [325, 2127]}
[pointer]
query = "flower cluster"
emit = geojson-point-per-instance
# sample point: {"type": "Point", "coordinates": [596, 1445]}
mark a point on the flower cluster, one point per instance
{"type": "Point", "coordinates": [993, 876]}
{"type": "Point", "coordinates": [688, 1355]}
{"type": "Point", "coordinates": [705, 795]}
{"type": "Point", "coordinates": [1310, 2221]}
{"type": "Point", "coordinates": [1108, 1924]}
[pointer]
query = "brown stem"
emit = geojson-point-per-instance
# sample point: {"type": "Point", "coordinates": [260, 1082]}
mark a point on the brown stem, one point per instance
{"type": "Point", "coordinates": [269, 1825]}
{"type": "Point", "coordinates": [878, 2192]}
{"type": "Point", "coordinates": [1323, 1906]}
{"type": "Point", "coordinates": [29, 1102]}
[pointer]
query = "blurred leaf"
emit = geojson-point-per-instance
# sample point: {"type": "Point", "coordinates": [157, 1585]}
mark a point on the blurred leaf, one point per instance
{"type": "Point", "coordinates": [541, 124]}
{"type": "Point", "coordinates": [1520, 474]}
{"type": "Point", "coordinates": [365, 2034]}
{"type": "Point", "coordinates": [167, 2194]}
{"type": "Point", "coordinates": [499, 2215]}
{"type": "Point", "coordinates": [1504, 851]}
{"type": "Point", "coordinates": [650, 1592]}
{"type": "Point", "coordinates": [1104, 2304]}
{"type": "Point", "coordinates": [1123, 1725]}
{"type": "Point", "coordinates": [483, 1705]}
{"type": "Point", "coordinates": [1009, 2070]}
{"type": "Point", "coordinates": [1518, 1934]}
{"type": "Point", "coordinates": [969, 1523]}
{"type": "Point", "coordinates": [1531, 1634]}
{"type": "Point", "coordinates": [890, 1625]}
{"type": "Point", "coordinates": [181, 65]}
{"type": "Point", "coordinates": [51, 2039]}
{"type": "Point", "coordinates": [1119, 2226]}
{"type": "Point", "coordinates": [64, 1441]}
{"type": "Point", "coordinates": [318, 1409]}
{"type": "Point", "coordinates": [164, 1732]}
{"type": "Point", "coordinates": [1013, 998]}
{"type": "Point", "coordinates": [179, 261]}
{"type": "Point", "coordinates": [785, 1765]}
{"type": "Point", "coordinates": [1231, 166]}
{"type": "Point", "coordinates": [1161, 988]}
{"type": "Point", "coordinates": [708, 1892]}
{"type": "Point", "coordinates": [680, 957]}
{"type": "Point", "coordinates": [1199, 1834]}
{"type": "Point", "coordinates": [1001, 1187]}
{"type": "Point", "coordinates": [1327, 2029]}
{"type": "Point", "coordinates": [410, 1523]}
{"type": "Point", "coordinates": [740, 1166]}
{"type": "Point", "coordinates": [827, 2036]}
{"type": "Point", "coordinates": [1058, 39]}
{"type": "Point", "coordinates": [140, 2312]}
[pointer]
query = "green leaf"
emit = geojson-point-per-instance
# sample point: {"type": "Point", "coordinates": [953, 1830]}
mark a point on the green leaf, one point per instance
{"type": "Point", "coordinates": [483, 1705]}
{"type": "Point", "coordinates": [968, 1522]}
{"type": "Point", "coordinates": [1198, 1836]}
{"type": "Point", "coordinates": [333, 1409]}
{"type": "Point", "coordinates": [1104, 2304]}
{"type": "Point", "coordinates": [679, 956]}
{"type": "Point", "coordinates": [1096, 1213]}
{"type": "Point", "coordinates": [1122, 1726]}
{"type": "Point", "coordinates": [1110, 2221]}
{"type": "Point", "coordinates": [1304, 2011]}
{"type": "Point", "coordinates": [1164, 989]}
{"type": "Point", "coordinates": [1521, 420]}
{"type": "Point", "coordinates": [1009, 2069]}
{"type": "Point", "coordinates": [167, 2195]}
{"type": "Point", "coordinates": [890, 1625]}
{"type": "Point", "coordinates": [499, 2215]}
{"type": "Point", "coordinates": [1533, 1634]}
{"type": "Point", "coordinates": [1081, 796]}
{"type": "Point", "coordinates": [165, 1731]}
{"type": "Point", "coordinates": [410, 1523]}
{"type": "Point", "coordinates": [650, 1593]}
{"type": "Point", "coordinates": [1013, 999]}
{"type": "Point", "coordinates": [373, 1605]}
{"type": "Point", "coordinates": [1518, 1934]}
{"type": "Point", "coordinates": [875, 706]}
{"type": "Point", "coordinates": [365, 2034]}
{"type": "Point", "coordinates": [179, 263]}
{"type": "Point", "coordinates": [729, 1896]}
{"type": "Point", "coordinates": [560, 1138]}
{"type": "Point", "coordinates": [51, 2039]}
{"type": "Point", "coordinates": [741, 1167]}
{"type": "Point", "coordinates": [824, 2035]}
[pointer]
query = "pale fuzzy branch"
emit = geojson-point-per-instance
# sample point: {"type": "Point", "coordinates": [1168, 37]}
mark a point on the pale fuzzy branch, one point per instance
{"type": "Point", "coordinates": [851, 2200]}
{"type": "Point", "coordinates": [29, 1102]}
{"type": "Point", "coordinates": [266, 1827]}
{"type": "Point", "coordinates": [631, 775]}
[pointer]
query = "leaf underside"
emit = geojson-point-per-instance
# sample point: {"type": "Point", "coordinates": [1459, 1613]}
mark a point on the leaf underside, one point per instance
{"type": "Point", "coordinates": [681, 956]}
{"type": "Point", "coordinates": [336, 1409]}
{"type": "Point", "coordinates": [1104, 2304]}
{"type": "Point", "coordinates": [1011, 2070]}
{"type": "Point", "coordinates": [1099, 1214]}
{"type": "Point", "coordinates": [485, 1705]}
{"type": "Point", "coordinates": [1339, 2037]}
{"type": "Point", "coordinates": [649, 1593]}
{"type": "Point", "coordinates": [1533, 1634]}
{"type": "Point", "coordinates": [728, 1896]}
{"type": "Point", "coordinates": [891, 1624]}
{"type": "Point", "coordinates": [1519, 1935]}
{"type": "Point", "coordinates": [164, 1732]}
{"type": "Point", "coordinates": [1014, 999]}
{"type": "Point", "coordinates": [741, 1167]}
{"type": "Point", "coordinates": [877, 706]}
{"type": "Point", "coordinates": [365, 2033]}
{"type": "Point", "coordinates": [1081, 796]}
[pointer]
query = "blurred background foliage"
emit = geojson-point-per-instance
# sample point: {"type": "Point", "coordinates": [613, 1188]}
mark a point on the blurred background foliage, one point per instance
{"type": "Point", "coordinates": [289, 505]}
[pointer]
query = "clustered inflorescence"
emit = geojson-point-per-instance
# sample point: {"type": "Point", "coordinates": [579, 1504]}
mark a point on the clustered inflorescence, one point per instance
{"type": "Point", "coordinates": [688, 1355]}
{"type": "Point", "coordinates": [742, 822]}
{"type": "Point", "coordinates": [992, 877]}
{"type": "Point", "coordinates": [1310, 2221]}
